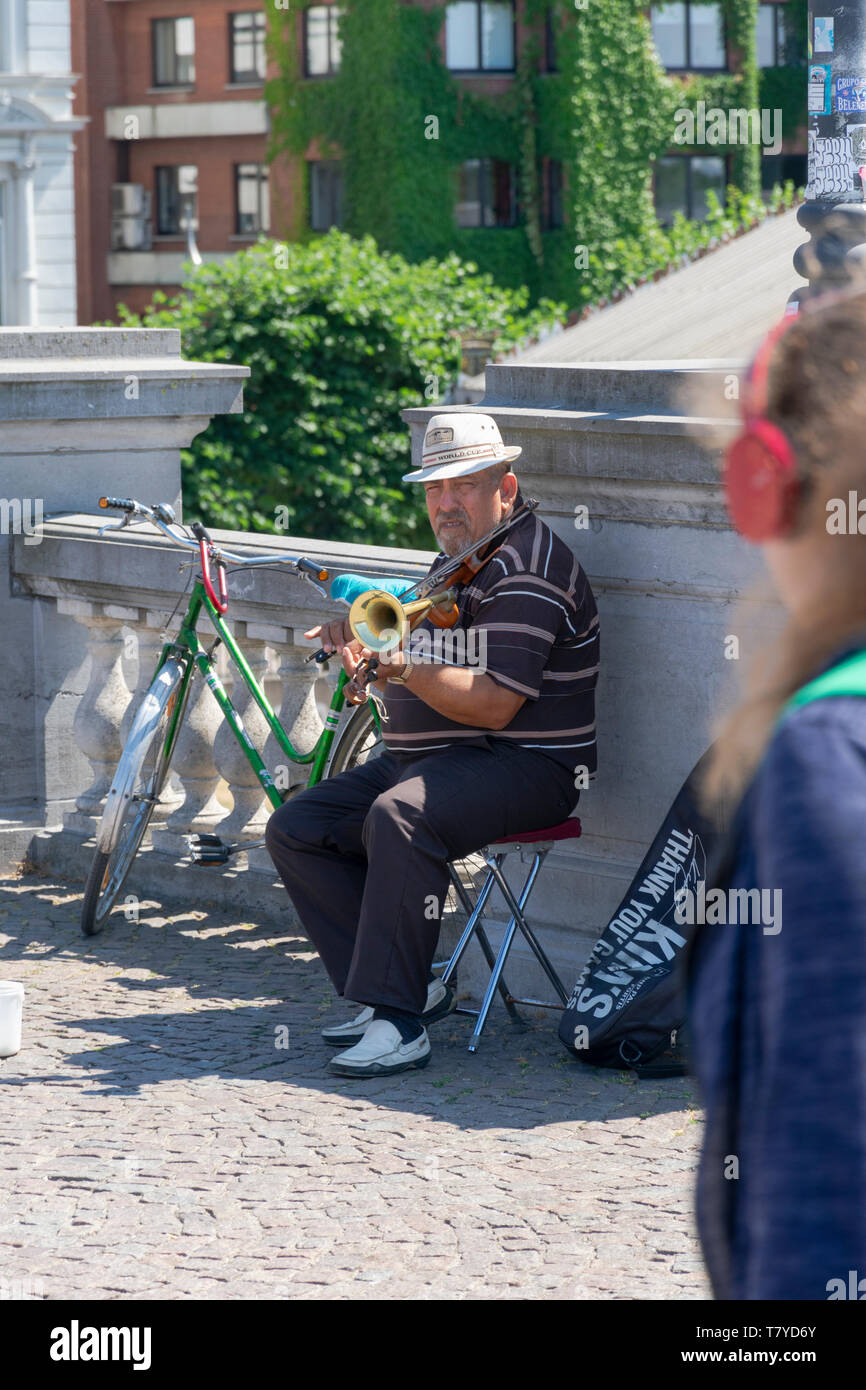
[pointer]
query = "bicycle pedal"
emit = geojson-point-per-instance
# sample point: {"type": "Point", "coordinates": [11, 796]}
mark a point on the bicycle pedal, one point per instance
{"type": "Point", "coordinates": [207, 849]}
{"type": "Point", "coordinates": [210, 856]}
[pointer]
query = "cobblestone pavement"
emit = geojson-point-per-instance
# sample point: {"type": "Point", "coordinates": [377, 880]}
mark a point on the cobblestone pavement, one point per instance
{"type": "Point", "coordinates": [171, 1130]}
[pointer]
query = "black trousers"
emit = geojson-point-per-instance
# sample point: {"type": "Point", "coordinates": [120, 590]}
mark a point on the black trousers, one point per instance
{"type": "Point", "coordinates": [364, 855]}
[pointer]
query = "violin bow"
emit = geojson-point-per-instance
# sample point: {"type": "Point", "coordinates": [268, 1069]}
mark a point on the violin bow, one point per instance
{"type": "Point", "coordinates": [453, 562]}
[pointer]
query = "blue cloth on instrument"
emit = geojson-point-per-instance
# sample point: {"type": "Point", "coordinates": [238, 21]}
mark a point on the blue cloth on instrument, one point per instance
{"type": "Point", "coordinates": [347, 587]}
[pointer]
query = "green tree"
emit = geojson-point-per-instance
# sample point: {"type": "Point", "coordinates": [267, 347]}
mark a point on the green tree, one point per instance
{"type": "Point", "coordinates": [339, 339]}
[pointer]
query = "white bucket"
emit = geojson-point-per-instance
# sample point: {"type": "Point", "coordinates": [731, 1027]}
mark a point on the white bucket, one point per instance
{"type": "Point", "coordinates": [11, 1007]}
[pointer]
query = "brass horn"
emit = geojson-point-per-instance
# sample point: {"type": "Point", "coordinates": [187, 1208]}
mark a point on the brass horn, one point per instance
{"type": "Point", "coordinates": [379, 620]}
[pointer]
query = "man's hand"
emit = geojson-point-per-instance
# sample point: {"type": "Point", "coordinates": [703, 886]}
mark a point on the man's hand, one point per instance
{"type": "Point", "coordinates": [334, 635]}
{"type": "Point", "coordinates": [391, 664]}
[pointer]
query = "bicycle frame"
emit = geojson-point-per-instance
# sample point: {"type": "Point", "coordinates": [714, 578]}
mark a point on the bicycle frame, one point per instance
{"type": "Point", "coordinates": [187, 642]}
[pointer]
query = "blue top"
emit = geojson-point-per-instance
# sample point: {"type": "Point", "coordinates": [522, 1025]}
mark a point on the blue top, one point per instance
{"type": "Point", "coordinates": [778, 1024]}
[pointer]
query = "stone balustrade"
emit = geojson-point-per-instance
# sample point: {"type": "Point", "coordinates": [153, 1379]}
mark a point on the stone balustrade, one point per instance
{"type": "Point", "coordinates": [127, 592]}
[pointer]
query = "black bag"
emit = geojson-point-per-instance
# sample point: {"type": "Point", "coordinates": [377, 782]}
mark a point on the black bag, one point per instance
{"type": "Point", "coordinates": [628, 1006]}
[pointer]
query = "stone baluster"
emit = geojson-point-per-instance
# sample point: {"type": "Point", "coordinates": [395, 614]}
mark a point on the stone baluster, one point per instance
{"type": "Point", "coordinates": [248, 817]}
{"type": "Point", "coordinates": [196, 772]}
{"type": "Point", "coordinates": [97, 723]}
{"type": "Point", "coordinates": [298, 714]}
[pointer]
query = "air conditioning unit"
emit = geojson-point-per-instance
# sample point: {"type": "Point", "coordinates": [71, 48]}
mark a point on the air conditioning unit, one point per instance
{"type": "Point", "coordinates": [130, 233]}
{"type": "Point", "coordinates": [130, 199]}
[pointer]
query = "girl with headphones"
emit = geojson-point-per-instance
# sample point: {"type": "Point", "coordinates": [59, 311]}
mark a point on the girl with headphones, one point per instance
{"type": "Point", "coordinates": [778, 1015]}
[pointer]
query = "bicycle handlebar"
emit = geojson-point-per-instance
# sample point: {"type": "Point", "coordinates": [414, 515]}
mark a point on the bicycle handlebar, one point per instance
{"type": "Point", "coordinates": [208, 549]}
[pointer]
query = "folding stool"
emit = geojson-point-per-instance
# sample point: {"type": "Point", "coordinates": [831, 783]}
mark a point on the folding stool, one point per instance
{"type": "Point", "coordinates": [540, 842]}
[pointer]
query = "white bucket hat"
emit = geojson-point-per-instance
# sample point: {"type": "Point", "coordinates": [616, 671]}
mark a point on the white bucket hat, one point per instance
{"type": "Point", "coordinates": [457, 444]}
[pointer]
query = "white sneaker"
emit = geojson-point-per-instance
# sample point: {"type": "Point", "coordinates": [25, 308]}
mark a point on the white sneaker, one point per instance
{"type": "Point", "coordinates": [441, 1001]}
{"type": "Point", "coordinates": [382, 1052]}
{"type": "Point", "coordinates": [346, 1034]}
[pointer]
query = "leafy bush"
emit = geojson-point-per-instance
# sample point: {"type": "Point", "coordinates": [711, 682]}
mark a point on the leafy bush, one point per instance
{"type": "Point", "coordinates": [339, 339]}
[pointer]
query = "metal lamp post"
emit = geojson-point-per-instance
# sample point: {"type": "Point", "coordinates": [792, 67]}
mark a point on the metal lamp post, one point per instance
{"type": "Point", "coordinates": [834, 213]}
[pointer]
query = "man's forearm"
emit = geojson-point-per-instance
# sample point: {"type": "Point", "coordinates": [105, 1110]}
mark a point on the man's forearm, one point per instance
{"type": "Point", "coordinates": [467, 697]}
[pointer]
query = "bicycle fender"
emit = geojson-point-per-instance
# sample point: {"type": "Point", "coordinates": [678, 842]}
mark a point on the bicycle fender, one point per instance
{"type": "Point", "coordinates": [137, 743]}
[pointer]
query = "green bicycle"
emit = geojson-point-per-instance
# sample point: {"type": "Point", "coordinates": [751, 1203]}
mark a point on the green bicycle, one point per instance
{"type": "Point", "coordinates": [146, 759]}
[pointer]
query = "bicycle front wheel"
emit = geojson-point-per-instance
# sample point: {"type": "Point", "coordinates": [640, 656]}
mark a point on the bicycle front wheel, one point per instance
{"type": "Point", "coordinates": [359, 741]}
{"type": "Point", "coordinates": [140, 777]}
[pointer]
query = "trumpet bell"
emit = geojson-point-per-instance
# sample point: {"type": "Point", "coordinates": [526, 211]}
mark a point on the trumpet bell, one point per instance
{"type": "Point", "coordinates": [379, 620]}
{"type": "Point", "coordinates": [376, 618]}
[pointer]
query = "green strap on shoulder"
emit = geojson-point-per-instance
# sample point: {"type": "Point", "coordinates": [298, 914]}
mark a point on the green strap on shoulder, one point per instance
{"type": "Point", "coordinates": [848, 678]}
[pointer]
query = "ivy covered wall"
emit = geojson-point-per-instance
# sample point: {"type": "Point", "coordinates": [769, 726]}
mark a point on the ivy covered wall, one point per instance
{"type": "Point", "coordinates": [402, 123]}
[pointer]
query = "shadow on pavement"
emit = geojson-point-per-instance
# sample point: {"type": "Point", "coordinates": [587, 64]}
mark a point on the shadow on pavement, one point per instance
{"type": "Point", "coordinates": [248, 1003]}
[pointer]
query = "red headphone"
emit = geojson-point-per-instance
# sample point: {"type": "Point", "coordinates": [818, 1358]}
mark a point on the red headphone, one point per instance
{"type": "Point", "coordinates": [761, 484]}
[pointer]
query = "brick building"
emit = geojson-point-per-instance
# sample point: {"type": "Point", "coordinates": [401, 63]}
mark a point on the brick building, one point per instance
{"type": "Point", "coordinates": [174, 93]}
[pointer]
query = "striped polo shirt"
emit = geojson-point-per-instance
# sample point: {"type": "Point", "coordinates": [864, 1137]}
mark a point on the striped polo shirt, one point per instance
{"type": "Point", "coordinates": [528, 620]}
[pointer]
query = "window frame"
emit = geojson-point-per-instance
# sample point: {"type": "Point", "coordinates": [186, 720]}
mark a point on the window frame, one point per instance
{"type": "Point", "coordinates": [688, 160]}
{"type": "Point", "coordinates": [332, 29]}
{"type": "Point", "coordinates": [483, 71]}
{"type": "Point", "coordinates": [688, 65]}
{"type": "Point", "coordinates": [261, 179]}
{"type": "Point", "coordinates": [551, 35]}
{"type": "Point", "coordinates": [778, 45]}
{"type": "Point", "coordinates": [256, 81]}
{"type": "Point", "coordinates": [332, 164]}
{"type": "Point", "coordinates": [175, 168]}
{"type": "Point", "coordinates": [6, 306]}
{"type": "Point", "coordinates": [551, 166]}
{"type": "Point", "coordinates": [175, 81]}
{"type": "Point", "coordinates": [486, 190]}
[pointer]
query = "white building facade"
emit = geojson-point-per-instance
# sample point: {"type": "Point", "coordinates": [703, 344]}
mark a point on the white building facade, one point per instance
{"type": "Point", "coordinates": [37, 209]}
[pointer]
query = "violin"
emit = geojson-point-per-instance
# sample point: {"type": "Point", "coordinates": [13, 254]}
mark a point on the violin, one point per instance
{"type": "Point", "coordinates": [442, 610]}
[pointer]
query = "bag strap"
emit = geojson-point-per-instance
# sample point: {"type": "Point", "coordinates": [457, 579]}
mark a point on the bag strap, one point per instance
{"type": "Point", "coordinates": [848, 678]}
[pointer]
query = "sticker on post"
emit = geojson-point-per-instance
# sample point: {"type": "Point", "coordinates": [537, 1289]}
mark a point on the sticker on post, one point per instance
{"type": "Point", "coordinates": [824, 35]}
{"type": "Point", "coordinates": [832, 168]}
{"type": "Point", "coordinates": [857, 136]}
{"type": "Point", "coordinates": [850, 94]}
{"type": "Point", "coordinates": [819, 88]}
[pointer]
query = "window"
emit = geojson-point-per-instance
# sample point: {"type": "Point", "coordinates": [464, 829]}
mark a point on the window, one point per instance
{"type": "Point", "coordinates": [689, 36]}
{"type": "Point", "coordinates": [176, 188]}
{"type": "Point", "coordinates": [252, 199]}
{"type": "Point", "coordinates": [550, 41]}
{"type": "Point", "coordinates": [173, 42]}
{"type": "Point", "coordinates": [553, 195]}
{"type": "Point", "coordinates": [321, 40]}
{"type": "Point", "coordinates": [771, 36]}
{"type": "Point", "coordinates": [682, 184]}
{"type": "Point", "coordinates": [3, 309]}
{"type": "Point", "coordinates": [485, 194]}
{"type": "Point", "coordinates": [479, 36]}
{"type": "Point", "coordinates": [247, 46]}
{"type": "Point", "coordinates": [326, 194]}
{"type": "Point", "coordinates": [778, 168]}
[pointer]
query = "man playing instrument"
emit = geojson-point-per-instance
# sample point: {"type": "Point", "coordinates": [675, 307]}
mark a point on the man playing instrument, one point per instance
{"type": "Point", "coordinates": [473, 750]}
